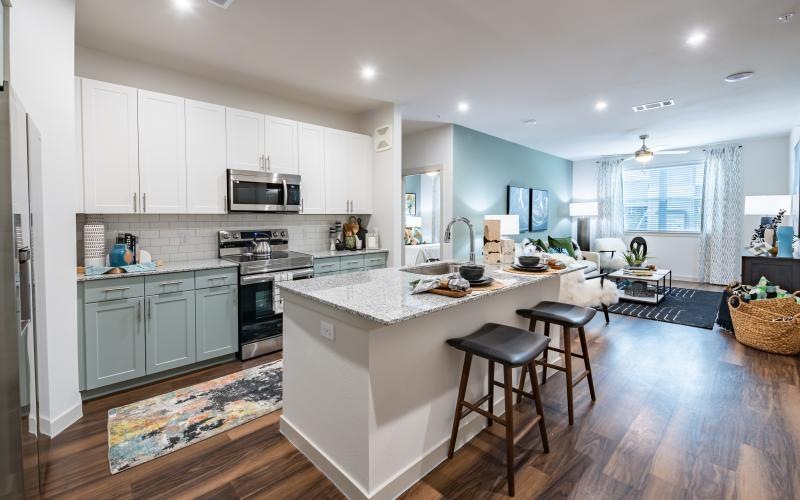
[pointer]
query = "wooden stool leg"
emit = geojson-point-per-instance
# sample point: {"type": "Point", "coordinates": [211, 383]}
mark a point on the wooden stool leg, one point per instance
{"type": "Point", "coordinates": [568, 367]}
{"type": "Point", "coordinates": [585, 349]}
{"type": "Point", "coordinates": [524, 372]}
{"type": "Point", "coordinates": [462, 390]}
{"type": "Point", "coordinates": [509, 419]}
{"type": "Point", "coordinates": [537, 398]}
{"type": "Point", "coordinates": [490, 385]}
{"type": "Point", "coordinates": [544, 366]}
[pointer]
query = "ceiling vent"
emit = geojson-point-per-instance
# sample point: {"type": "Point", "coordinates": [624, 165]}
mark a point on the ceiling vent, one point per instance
{"type": "Point", "coordinates": [654, 105]}
{"type": "Point", "coordinates": [221, 3]}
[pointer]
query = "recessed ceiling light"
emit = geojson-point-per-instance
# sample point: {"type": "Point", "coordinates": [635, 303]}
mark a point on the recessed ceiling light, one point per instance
{"type": "Point", "coordinates": [184, 5]}
{"type": "Point", "coordinates": [368, 73]}
{"type": "Point", "coordinates": [695, 39]}
{"type": "Point", "coordinates": [786, 17]}
{"type": "Point", "coordinates": [600, 105]}
{"type": "Point", "coordinates": [738, 77]}
{"type": "Point", "coordinates": [529, 121]}
{"type": "Point", "coordinates": [463, 106]}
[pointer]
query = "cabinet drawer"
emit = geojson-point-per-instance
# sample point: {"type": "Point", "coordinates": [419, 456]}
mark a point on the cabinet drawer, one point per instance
{"type": "Point", "coordinates": [355, 262]}
{"type": "Point", "coordinates": [168, 283]}
{"type": "Point", "coordinates": [113, 289]}
{"type": "Point", "coordinates": [215, 277]}
{"type": "Point", "coordinates": [374, 261]}
{"type": "Point", "coordinates": [322, 266]}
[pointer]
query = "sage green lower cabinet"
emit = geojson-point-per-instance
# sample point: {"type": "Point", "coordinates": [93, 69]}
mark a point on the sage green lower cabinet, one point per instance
{"type": "Point", "coordinates": [217, 321]}
{"type": "Point", "coordinates": [329, 266]}
{"type": "Point", "coordinates": [170, 334]}
{"type": "Point", "coordinates": [114, 340]}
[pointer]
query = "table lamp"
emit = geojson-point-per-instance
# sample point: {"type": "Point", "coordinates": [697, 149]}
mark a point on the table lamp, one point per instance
{"type": "Point", "coordinates": [583, 210]}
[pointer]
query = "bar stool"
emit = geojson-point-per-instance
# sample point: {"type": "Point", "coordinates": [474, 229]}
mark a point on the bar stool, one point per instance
{"type": "Point", "coordinates": [511, 347]}
{"type": "Point", "coordinates": [568, 317]}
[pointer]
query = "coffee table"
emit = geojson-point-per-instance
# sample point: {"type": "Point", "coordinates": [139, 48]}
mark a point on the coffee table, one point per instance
{"type": "Point", "coordinates": [644, 289]}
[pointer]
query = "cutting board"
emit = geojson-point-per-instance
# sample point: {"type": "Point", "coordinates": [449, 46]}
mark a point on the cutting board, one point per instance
{"type": "Point", "coordinates": [451, 293]}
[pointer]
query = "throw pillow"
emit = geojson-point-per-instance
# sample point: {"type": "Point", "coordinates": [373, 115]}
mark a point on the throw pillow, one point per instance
{"type": "Point", "coordinates": [541, 244]}
{"type": "Point", "coordinates": [577, 249]}
{"type": "Point", "coordinates": [562, 243]}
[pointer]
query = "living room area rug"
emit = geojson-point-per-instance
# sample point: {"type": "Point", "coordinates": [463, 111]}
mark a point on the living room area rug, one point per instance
{"type": "Point", "coordinates": [148, 429]}
{"type": "Point", "coordinates": [683, 306]}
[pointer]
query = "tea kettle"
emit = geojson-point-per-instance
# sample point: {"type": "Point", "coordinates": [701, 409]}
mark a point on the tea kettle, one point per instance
{"type": "Point", "coordinates": [261, 247]}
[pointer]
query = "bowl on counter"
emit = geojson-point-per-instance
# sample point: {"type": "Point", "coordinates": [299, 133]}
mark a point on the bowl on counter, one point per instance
{"type": "Point", "coordinates": [471, 272]}
{"type": "Point", "coordinates": [529, 260]}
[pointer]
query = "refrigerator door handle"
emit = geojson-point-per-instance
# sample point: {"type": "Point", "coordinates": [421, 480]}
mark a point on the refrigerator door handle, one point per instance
{"type": "Point", "coordinates": [26, 285]}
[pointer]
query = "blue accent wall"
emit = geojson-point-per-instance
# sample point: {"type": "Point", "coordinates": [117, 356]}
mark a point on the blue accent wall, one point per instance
{"type": "Point", "coordinates": [483, 165]}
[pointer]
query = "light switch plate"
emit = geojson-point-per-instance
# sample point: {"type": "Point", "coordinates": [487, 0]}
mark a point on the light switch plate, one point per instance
{"type": "Point", "coordinates": [326, 330]}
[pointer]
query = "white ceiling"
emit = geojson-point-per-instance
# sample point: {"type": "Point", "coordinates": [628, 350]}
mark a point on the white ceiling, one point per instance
{"type": "Point", "coordinates": [512, 60]}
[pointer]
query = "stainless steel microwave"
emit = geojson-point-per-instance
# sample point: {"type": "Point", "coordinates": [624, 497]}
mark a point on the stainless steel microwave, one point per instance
{"type": "Point", "coordinates": [250, 191]}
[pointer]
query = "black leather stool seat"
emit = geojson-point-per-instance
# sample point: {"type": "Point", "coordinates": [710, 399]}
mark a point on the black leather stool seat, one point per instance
{"type": "Point", "coordinates": [504, 344]}
{"type": "Point", "coordinates": [558, 312]}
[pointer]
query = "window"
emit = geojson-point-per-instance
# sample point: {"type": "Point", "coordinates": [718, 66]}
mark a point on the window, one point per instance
{"type": "Point", "coordinates": [666, 199]}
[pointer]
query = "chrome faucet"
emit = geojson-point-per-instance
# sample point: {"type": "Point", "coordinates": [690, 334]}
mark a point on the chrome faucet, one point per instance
{"type": "Point", "coordinates": [447, 236]}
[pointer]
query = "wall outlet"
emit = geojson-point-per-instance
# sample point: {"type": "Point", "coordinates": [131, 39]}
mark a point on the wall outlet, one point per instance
{"type": "Point", "coordinates": [326, 330]}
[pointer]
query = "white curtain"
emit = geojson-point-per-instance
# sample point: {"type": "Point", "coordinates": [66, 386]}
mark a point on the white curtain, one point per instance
{"type": "Point", "coordinates": [610, 208]}
{"type": "Point", "coordinates": [723, 212]}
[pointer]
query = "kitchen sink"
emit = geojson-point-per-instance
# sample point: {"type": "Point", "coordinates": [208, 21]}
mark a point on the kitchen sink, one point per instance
{"type": "Point", "coordinates": [434, 269]}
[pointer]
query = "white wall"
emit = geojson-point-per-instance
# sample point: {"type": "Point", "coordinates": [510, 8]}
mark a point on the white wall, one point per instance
{"type": "Point", "coordinates": [387, 180]}
{"type": "Point", "coordinates": [765, 163]}
{"type": "Point", "coordinates": [427, 148]}
{"type": "Point", "coordinates": [91, 63]}
{"type": "Point", "coordinates": [794, 182]}
{"type": "Point", "coordinates": [42, 40]}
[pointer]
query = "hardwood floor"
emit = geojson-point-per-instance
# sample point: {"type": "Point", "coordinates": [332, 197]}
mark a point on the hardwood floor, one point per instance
{"type": "Point", "coordinates": [681, 412]}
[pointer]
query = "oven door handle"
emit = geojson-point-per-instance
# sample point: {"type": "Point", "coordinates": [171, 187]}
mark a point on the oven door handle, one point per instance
{"type": "Point", "coordinates": [308, 273]}
{"type": "Point", "coordinates": [285, 194]}
{"type": "Point", "coordinates": [256, 278]}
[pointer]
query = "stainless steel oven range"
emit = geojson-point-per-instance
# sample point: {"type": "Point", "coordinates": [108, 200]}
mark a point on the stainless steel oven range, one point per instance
{"type": "Point", "coordinates": [264, 258]}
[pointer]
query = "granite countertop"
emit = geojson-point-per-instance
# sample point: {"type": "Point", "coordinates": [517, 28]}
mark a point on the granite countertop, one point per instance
{"type": "Point", "coordinates": [320, 254]}
{"type": "Point", "coordinates": [171, 267]}
{"type": "Point", "coordinates": [384, 295]}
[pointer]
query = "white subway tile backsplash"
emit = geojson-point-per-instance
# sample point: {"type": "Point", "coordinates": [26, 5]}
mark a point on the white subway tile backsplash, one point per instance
{"type": "Point", "coordinates": [181, 237]}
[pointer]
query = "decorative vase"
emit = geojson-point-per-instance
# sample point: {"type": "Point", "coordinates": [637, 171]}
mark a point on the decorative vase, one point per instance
{"type": "Point", "coordinates": [120, 255]}
{"type": "Point", "coordinates": [785, 236]}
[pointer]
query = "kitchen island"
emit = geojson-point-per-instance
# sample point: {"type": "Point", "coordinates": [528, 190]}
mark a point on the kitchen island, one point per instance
{"type": "Point", "coordinates": [369, 384]}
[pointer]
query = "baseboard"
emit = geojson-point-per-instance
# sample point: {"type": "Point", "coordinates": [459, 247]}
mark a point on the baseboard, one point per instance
{"type": "Point", "coordinates": [53, 427]}
{"type": "Point", "coordinates": [408, 477]}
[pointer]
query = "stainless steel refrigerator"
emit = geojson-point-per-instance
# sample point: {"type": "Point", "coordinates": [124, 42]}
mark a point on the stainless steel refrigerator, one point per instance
{"type": "Point", "coordinates": [20, 152]}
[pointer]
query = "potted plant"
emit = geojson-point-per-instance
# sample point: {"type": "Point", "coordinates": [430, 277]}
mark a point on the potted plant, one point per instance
{"type": "Point", "coordinates": [636, 257]}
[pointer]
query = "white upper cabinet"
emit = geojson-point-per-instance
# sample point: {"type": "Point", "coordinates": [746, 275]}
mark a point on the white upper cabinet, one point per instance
{"type": "Point", "coordinates": [205, 158]}
{"type": "Point", "coordinates": [79, 206]}
{"type": "Point", "coordinates": [280, 145]}
{"type": "Point", "coordinates": [360, 174]}
{"type": "Point", "coordinates": [162, 153]}
{"type": "Point", "coordinates": [110, 148]}
{"type": "Point", "coordinates": [337, 148]}
{"type": "Point", "coordinates": [245, 139]}
{"type": "Point", "coordinates": [311, 160]}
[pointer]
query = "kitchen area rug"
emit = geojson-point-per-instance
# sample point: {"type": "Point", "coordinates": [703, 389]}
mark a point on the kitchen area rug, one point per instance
{"type": "Point", "coordinates": [148, 429]}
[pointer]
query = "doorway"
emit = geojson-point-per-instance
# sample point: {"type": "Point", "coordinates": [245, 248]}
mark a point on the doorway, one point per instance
{"type": "Point", "coordinates": [422, 215]}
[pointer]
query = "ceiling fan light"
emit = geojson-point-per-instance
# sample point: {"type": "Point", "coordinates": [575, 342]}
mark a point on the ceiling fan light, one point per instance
{"type": "Point", "coordinates": [644, 155]}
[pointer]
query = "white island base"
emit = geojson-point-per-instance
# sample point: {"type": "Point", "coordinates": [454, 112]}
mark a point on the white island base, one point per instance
{"type": "Point", "coordinates": [373, 408]}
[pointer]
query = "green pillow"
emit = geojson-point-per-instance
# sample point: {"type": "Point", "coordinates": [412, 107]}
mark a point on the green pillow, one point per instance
{"type": "Point", "coordinates": [541, 244]}
{"type": "Point", "coordinates": [564, 243]}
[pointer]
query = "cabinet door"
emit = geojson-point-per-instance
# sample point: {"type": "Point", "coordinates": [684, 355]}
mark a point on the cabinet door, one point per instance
{"type": "Point", "coordinates": [336, 153]}
{"type": "Point", "coordinates": [280, 145]}
{"type": "Point", "coordinates": [217, 322]}
{"type": "Point", "coordinates": [205, 158]}
{"type": "Point", "coordinates": [79, 206]}
{"type": "Point", "coordinates": [170, 331]}
{"type": "Point", "coordinates": [110, 148]}
{"type": "Point", "coordinates": [245, 139]}
{"type": "Point", "coordinates": [114, 340]}
{"type": "Point", "coordinates": [311, 156]}
{"type": "Point", "coordinates": [162, 153]}
{"type": "Point", "coordinates": [359, 179]}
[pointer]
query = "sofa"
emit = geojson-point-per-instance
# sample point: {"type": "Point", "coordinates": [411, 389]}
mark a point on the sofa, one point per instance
{"type": "Point", "coordinates": [589, 260]}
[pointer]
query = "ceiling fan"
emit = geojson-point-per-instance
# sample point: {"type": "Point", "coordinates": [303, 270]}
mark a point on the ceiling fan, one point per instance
{"type": "Point", "coordinates": [645, 154]}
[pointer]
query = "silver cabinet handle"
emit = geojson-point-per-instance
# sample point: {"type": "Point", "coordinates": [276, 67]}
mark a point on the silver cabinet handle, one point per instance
{"type": "Point", "coordinates": [235, 295]}
{"type": "Point", "coordinates": [269, 163]}
{"type": "Point", "coordinates": [149, 307]}
{"type": "Point", "coordinates": [261, 162]}
{"type": "Point", "coordinates": [167, 283]}
{"type": "Point", "coordinates": [118, 289]}
{"type": "Point", "coordinates": [134, 202]}
{"type": "Point", "coordinates": [225, 203]}
{"type": "Point", "coordinates": [301, 205]}
{"type": "Point", "coordinates": [139, 312]}
{"type": "Point", "coordinates": [212, 278]}
{"type": "Point", "coordinates": [144, 202]}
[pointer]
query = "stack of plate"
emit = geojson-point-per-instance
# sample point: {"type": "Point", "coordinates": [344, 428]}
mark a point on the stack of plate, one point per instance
{"type": "Point", "coordinates": [538, 268]}
{"type": "Point", "coordinates": [485, 281]}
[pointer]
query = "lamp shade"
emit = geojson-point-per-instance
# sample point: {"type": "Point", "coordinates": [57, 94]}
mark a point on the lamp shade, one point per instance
{"type": "Point", "coordinates": [413, 221]}
{"type": "Point", "coordinates": [583, 209]}
{"type": "Point", "coordinates": [767, 205]}
{"type": "Point", "coordinates": [509, 224]}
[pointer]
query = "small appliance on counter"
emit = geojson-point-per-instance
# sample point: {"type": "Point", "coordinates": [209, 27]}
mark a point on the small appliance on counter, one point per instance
{"type": "Point", "coordinates": [264, 258]}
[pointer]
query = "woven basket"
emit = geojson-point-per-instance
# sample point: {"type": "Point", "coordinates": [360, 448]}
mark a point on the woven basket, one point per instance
{"type": "Point", "coordinates": [771, 325]}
